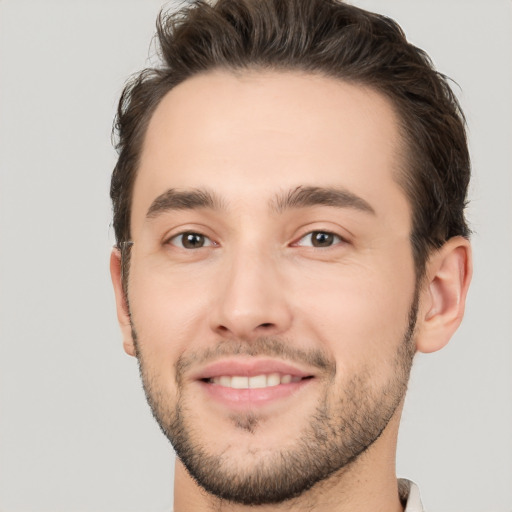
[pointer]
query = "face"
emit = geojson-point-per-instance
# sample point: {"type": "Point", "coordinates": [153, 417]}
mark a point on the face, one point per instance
{"type": "Point", "coordinates": [272, 285]}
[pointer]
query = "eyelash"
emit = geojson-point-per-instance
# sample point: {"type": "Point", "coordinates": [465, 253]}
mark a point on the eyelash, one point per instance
{"type": "Point", "coordinates": [334, 238]}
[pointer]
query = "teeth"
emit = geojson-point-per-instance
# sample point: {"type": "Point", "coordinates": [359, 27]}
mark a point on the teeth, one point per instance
{"type": "Point", "coordinates": [260, 381]}
{"type": "Point", "coordinates": [225, 381]}
{"type": "Point", "coordinates": [274, 379]}
{"type": "Point", "coordinates": [239, 382]}
{"type": "Point", "coordinates": [256, 382]}
{"type": "Point", "coordinates": [285, 379]}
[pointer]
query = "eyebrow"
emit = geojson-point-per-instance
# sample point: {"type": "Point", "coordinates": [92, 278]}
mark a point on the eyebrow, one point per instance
{"type": "Point", "coordinates": [303, 197]}
{"type": "Point", "coordinates": [174, 199]}
{"type": "Point", "coordinates": [300, 197]}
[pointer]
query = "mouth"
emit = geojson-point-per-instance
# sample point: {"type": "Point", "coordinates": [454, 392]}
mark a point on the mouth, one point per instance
{"type": "Point", "coordinates": [247, 383]}
{"type": "Point", "coordinates": [255, 382]}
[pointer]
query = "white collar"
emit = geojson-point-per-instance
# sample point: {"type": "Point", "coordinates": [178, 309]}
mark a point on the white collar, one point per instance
{"type": "Point", "coordinates": [410, 495]}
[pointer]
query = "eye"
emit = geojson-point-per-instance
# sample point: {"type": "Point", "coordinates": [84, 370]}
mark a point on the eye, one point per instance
{"type": "Point", "coordinates": [319, 239]}
{"type": "Point", "coordinates": [191, 240]}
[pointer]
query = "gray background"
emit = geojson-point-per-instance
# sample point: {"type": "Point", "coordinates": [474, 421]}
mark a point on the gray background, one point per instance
{"type": "Point", "coordinates": [75, 431]}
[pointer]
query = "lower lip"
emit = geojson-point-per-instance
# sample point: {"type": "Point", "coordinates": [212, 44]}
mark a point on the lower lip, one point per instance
{"type": "Point", "coordinates": [246, 398]}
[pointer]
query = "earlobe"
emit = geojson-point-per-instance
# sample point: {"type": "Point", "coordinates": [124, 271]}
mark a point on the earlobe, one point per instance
{"type": "Point", "coordinates": [443, 295]}
{"type": "Point", "coordinates": [123, 312]}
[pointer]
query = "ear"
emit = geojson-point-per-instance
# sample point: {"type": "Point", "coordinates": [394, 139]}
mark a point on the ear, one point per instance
{"type": "Point", "coordinates": [443, 294]}
{"type": "Point", "coordinates": [123, 313]}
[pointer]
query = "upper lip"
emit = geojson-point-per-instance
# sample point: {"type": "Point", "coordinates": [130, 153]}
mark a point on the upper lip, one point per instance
{"type": "Point", "coordinates": [249, 367]}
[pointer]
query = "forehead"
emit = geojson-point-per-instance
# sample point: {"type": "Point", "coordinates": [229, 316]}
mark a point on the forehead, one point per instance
{"type": "Point", "coordinates": [258, 132]}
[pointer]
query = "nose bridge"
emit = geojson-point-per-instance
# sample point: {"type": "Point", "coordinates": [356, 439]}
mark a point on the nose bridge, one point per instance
{"type": "Point", "coordinates": [251, 298]}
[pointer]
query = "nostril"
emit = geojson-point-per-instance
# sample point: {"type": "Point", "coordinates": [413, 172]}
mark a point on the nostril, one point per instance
{"type": "Point", "coordinates": [266, 325]}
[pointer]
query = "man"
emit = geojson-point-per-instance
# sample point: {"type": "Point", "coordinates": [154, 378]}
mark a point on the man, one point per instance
{"type": "Point", "coordinates": [289, 213]}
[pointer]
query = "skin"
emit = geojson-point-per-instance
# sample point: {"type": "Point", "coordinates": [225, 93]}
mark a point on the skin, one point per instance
{"type": "Point", "coordinates": [249, 139]}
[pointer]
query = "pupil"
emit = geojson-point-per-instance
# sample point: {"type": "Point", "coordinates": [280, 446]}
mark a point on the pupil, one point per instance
{"type": "Point", "coordinates": [193, 240]}
{"type": "Point", "coordinates": [321, 239]}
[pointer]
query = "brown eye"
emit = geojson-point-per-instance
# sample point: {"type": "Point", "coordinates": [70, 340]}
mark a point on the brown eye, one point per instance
{"type": "Point", "coordinates": [190, 240]}
{"type": "Point", "coordinates": [319, 239]}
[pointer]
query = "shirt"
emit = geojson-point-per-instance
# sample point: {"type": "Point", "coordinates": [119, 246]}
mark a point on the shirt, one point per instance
{"type": "Point", "coordinates": [409, 496]}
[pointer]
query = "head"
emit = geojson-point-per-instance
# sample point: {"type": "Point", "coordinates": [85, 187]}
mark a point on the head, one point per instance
{"type": "Point", "coordinates": [293, 179]}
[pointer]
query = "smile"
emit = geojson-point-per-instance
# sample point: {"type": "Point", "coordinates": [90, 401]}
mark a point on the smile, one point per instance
{"type": "Point", "coordinates": [255, 382]}
{"type": "Point", "coordinates": [243, 383]}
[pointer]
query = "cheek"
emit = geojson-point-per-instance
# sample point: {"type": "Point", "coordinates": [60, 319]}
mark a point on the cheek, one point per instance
{"type": "Point", "coordinates": [166, 313]}
{"type": "Point", "coordinates": [360, 314]}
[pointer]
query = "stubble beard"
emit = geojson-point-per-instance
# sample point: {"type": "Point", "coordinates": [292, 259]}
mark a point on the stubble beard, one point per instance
{"type": "Point", "coordinates": [337, 434]}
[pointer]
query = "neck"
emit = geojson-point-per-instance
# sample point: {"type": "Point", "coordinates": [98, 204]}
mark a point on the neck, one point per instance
{"type": "Point", "coordinates": [368, 484]}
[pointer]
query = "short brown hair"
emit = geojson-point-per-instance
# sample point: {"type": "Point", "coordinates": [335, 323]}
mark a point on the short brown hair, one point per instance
{"type": "Point", "coordinates": [326, 37]}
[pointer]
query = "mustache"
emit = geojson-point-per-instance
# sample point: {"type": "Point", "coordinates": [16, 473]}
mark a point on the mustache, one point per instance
{"type": "Point", "coordinates": [262, 346]}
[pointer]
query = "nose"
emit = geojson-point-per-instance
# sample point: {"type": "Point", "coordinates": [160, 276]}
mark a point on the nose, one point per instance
{"type": "Point", "coordinates": [251, 298]}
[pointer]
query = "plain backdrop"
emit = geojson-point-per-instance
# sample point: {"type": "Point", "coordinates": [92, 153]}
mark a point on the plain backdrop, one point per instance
{"type": "Point", "coordinates": [75, 431]}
